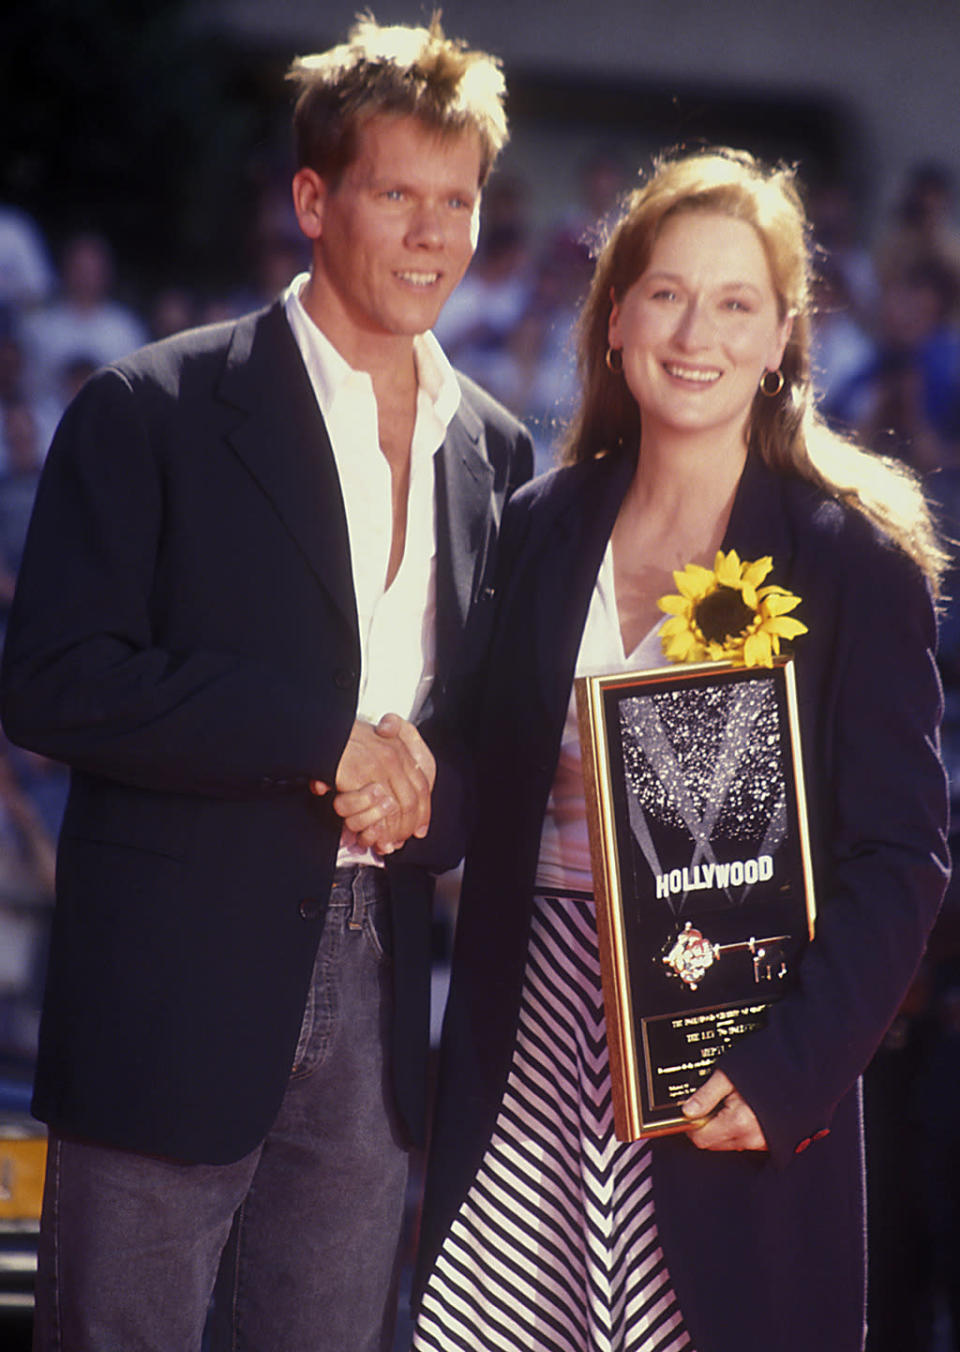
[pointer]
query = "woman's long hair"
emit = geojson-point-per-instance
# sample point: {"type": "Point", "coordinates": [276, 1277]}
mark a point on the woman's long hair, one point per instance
{"type": "Point", "coordinates": [786, 430]}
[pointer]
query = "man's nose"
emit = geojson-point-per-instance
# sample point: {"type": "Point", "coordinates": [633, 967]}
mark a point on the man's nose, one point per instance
{"type": "Point", "coordinates": [425, 230]}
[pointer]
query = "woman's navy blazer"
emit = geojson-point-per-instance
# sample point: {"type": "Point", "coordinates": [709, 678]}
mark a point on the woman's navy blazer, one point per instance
{"type": "Point", "coordinates": [766, 1251]}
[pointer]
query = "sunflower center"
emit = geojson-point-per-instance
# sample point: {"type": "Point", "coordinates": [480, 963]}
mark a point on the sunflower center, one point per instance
{"type": "Point", "coordinates": [723, 614]}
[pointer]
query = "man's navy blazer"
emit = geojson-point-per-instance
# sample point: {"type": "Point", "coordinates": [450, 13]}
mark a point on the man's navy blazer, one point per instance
{"type": "Point", "coordinates": [184, 635]}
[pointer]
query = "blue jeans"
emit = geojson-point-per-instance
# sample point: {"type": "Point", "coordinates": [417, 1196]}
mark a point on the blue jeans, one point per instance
{"type": "Point", "coordinates": [304, 1230]}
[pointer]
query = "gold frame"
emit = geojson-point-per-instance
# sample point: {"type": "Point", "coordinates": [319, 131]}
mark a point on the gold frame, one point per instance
{"type": "Point", "coordinates": [627, 1031]}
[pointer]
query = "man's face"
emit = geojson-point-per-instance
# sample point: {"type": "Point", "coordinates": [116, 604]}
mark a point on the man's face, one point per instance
{"type": "Point", "coordinates": [395, 235]}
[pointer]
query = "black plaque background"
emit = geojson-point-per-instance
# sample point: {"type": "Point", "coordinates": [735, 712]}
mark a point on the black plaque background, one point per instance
{"type": "Point", "coordinates": [774, 907]}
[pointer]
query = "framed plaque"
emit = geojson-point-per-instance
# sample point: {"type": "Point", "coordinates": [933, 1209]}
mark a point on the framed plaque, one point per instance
{"type": "Point", "coordinates": [701, 864]}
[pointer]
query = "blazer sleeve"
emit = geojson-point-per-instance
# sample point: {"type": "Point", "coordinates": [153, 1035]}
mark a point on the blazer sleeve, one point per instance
{"type": "Point", "coordinates": [85, 679]}
{"type": "Point", "coordinates": [882, 861]}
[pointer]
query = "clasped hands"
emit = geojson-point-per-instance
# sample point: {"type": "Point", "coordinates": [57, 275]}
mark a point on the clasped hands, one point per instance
{"type": "Point", "coordinates": [383, 784]}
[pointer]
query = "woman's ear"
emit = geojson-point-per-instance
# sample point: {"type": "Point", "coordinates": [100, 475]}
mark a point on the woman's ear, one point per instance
{"type": "Point", "coordinates": [613, 324]}
{"type": "Point", "coordinates": [783, 337]}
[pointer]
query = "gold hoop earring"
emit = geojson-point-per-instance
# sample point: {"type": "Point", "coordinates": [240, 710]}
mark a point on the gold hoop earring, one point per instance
{"type": "Point", "coordinates": [611, 361]}
{"type": "Point", "coordinates": [778, 386]}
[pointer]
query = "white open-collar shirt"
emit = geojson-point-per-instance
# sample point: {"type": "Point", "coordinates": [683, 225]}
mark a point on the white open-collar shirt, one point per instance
{"type": "Point", "coordinates": [397, 625]}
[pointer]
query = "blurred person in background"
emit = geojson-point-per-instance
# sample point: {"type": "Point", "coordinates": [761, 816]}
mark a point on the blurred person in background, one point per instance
{"type": "Point", "coordinates": [478, 322]}
{"type": "Point", "coordinates": [924, 229]}
{"type": "Point", "coordinates": [173, 309]}
{"type": "Point", "coordinates": [542, 346]}
{"type": "Point", "coordinates": [85, 320]}
{"type": "Point", "coordinates": [239, 619]}
{"type": "Point", "coordinates": [903, 402]}
{"type": "Point", "coordinates": [27, 276]}
{"type": "Point", "coordinates": [841, 247]}
{"type": "Point", "coordinates": [841, 348]}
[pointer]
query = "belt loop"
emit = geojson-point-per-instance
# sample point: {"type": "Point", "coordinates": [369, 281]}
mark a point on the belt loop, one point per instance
{"type": "Point", "coordinates": [355, 921]}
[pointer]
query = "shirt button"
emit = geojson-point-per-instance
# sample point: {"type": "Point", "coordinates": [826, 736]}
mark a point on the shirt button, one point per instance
{"type": "Point", "coordinates": [310, 908]}
{"type": "Point", "coordinates": [343, 678]}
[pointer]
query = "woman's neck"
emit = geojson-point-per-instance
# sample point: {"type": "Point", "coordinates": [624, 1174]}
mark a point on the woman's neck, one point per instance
{"type": "Point", "coordinates": [675, 512]}
{"type": "Point", "coordinates": [686, 481]}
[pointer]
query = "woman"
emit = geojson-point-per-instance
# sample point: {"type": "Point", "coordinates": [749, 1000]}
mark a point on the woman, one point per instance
{"type": "Point", "coordinates": [695, 432]}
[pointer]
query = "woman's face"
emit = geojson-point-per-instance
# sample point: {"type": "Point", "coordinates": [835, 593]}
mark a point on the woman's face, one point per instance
{"type": "Point", "coordinates": [700, 326]}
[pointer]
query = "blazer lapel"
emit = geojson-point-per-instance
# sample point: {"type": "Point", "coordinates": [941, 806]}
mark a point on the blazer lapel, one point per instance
{"type": "Point", "coordinates": [464, 494]}
{"type": "Point", "coordinates": [758, 522]}
{"type": "Point", "coordinates": [571, 554]}
{"type": "Point", "coordinates": [282, 440]}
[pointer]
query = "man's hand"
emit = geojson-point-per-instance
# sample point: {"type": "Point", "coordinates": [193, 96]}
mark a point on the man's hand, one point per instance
{"type": "Point", "coordinates": [384, 781]}
{"type": "Point", "coordinates": [732, 1123]}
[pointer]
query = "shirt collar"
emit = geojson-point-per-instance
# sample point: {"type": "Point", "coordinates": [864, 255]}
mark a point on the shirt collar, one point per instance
{"type": "Point", "coordinates": [330, 371]}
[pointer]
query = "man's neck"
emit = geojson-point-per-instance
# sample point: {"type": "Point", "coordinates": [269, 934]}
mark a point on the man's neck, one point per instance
{"type": "Point", "coordinates": [386, 357]}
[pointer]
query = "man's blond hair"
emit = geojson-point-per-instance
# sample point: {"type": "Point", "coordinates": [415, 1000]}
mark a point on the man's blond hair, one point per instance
{"type": "Point", "coordinates": [396, 70]}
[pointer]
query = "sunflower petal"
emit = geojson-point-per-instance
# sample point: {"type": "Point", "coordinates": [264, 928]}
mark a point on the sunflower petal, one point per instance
{"type": "Point", "coordinates": [785, 626]}
{"type": "Point", "coordinates": [779, 603]}
{"type": "Point", "coordinates": [681, 647]}
{"type": "Point", "coordinates": [727, 569]}
{"type": "Point", "coordinates": [758, 650]}
{"type": "Point", "coordinates": [754, 573]}
{"type": "Point", "coordinates": [694, 581]}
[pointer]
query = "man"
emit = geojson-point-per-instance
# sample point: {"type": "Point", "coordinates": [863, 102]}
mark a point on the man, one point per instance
{"type": "Point", "coordinates": [251, 543]}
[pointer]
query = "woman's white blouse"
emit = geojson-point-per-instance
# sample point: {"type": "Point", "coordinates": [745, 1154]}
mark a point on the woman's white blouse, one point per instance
{"type": "Point", "coordinates": [564, 843]}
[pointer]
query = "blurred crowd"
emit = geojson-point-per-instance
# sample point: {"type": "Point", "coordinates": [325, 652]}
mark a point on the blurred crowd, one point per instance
{"type": "Point", "coordinates": [887, 348]}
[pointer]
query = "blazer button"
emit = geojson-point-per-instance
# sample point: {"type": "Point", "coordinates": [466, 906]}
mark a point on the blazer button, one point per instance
{"type": "Point", "coordinates": [344, 678]}
{"type": "Point", "coordinates": [310, 908]}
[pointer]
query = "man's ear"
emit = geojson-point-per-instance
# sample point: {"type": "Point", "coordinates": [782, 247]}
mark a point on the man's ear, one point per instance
{"type": "Point", "coordinates": [309, 197]}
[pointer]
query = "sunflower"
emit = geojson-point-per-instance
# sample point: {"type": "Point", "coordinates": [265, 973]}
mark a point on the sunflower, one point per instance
{"type": "Point", "coordinates": [722, 614]}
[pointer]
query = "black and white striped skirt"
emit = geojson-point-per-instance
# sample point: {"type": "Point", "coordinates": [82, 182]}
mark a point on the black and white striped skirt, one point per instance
{"type": "Point", "coordinates": [555, 1248]}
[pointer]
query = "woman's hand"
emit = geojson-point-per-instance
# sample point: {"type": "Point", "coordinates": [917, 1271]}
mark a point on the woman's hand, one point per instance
{"type": "Point", "coordinates": [733, 1124]}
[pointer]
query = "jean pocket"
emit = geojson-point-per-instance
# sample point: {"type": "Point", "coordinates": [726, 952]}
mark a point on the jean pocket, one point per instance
{"type": "Point", "coordinates": [306, 1032]}
{"type": "Point", "coordinates": [378, 931]}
